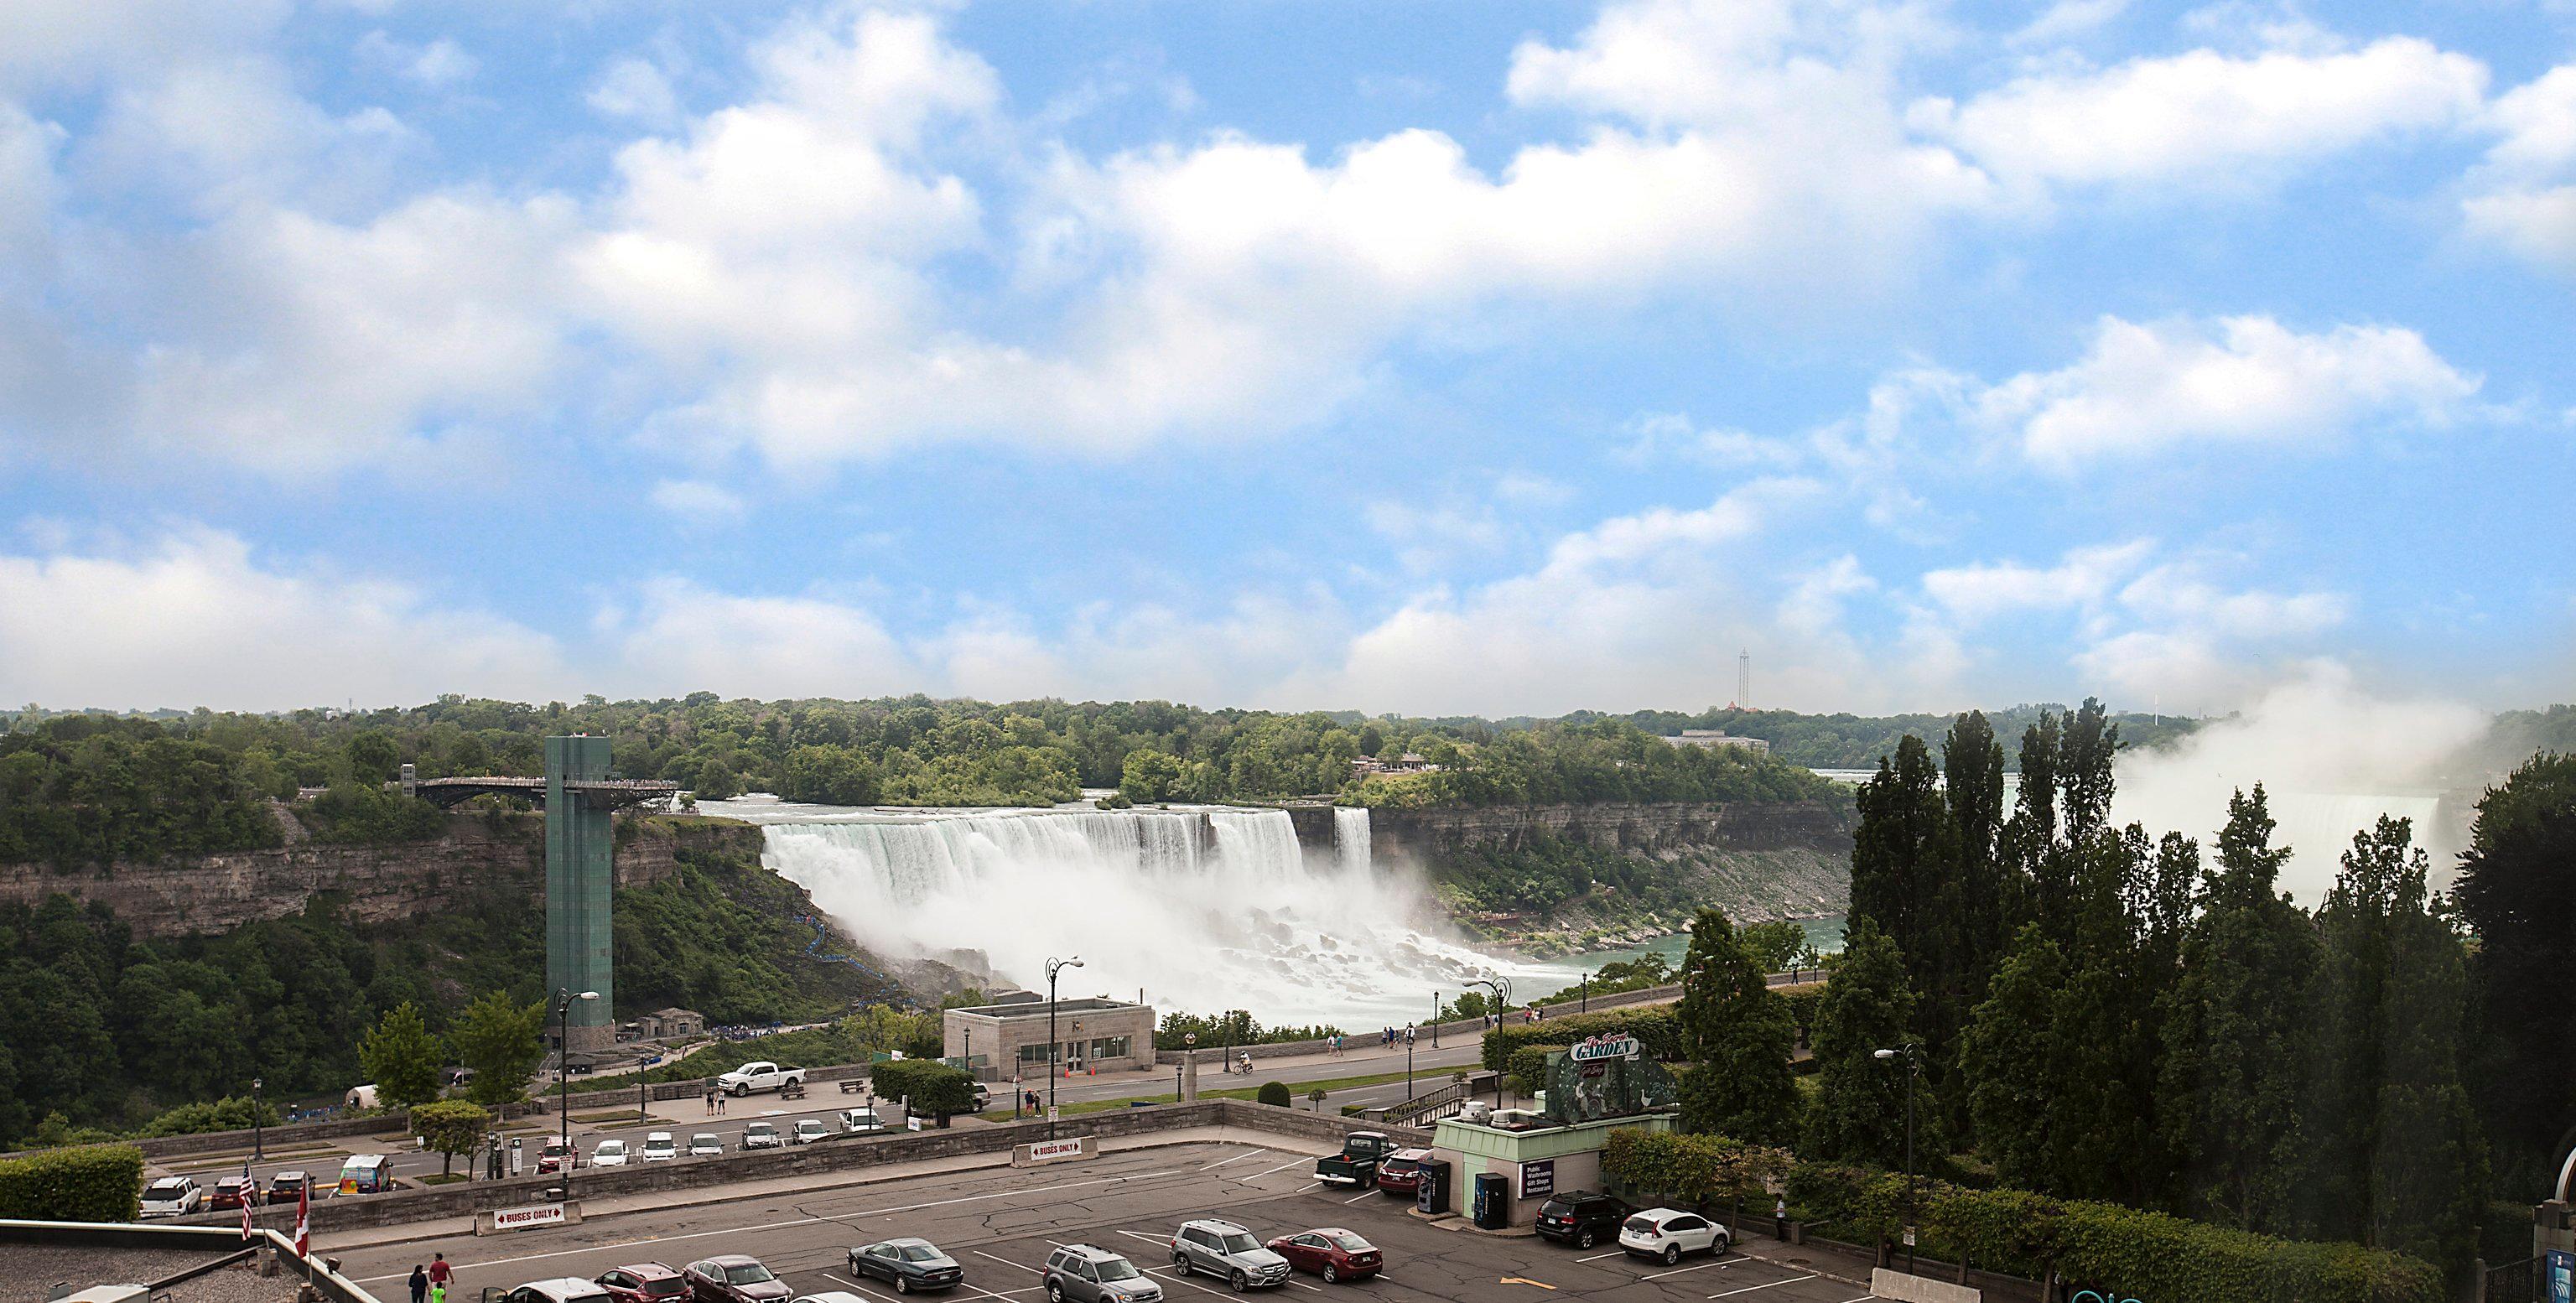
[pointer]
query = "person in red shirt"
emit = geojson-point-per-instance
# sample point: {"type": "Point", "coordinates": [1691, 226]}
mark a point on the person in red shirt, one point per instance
{"type": "Point", "coordinates": [439, 1271]}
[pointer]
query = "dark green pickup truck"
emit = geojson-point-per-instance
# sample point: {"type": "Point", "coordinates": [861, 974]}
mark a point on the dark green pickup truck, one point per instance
{"type": "Point", "coordinates": [1357, 1164]}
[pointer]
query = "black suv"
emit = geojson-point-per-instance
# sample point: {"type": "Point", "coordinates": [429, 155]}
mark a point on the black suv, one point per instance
{"type": "Point", "coordinates": [1581, 1218]}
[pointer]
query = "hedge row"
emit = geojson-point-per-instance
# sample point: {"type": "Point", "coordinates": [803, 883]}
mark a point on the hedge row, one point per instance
{"type": "Point", "coordinates": [2145, 1254]}
{"type": "Point", "coordinates": [1527, 1068]}
{"type": "Point", "coordinates": [99, 1183]}
{"type": "Point", "coordinates": [1655, 1025]}
{"type": "Point", "coordinates": [929, 1085]}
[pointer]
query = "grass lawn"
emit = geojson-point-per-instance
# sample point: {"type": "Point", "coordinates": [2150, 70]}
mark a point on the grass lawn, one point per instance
{"type": "Point", "coordinates": [442, 1178]}
{"type": "Point", "coordinates": [604, 1119]}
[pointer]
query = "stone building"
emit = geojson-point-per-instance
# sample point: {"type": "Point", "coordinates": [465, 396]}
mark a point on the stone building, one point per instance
{"type": "Point", "coordinates": [1009, 1041]}
{"type": "Point", "coordinates": [1718, 737]}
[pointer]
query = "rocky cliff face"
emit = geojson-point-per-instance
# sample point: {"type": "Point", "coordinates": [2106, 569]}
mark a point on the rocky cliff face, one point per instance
{"type": "Point", "coordinates": [1756, 861]}
{"type": "Point", "coordinates": [217, 893]}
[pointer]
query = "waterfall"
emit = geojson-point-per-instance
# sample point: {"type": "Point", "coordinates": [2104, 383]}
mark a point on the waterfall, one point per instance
{"type": "Point", "coordinates": [1204, 909]}
{"type": "Point", "coordinates": [1351, 838]}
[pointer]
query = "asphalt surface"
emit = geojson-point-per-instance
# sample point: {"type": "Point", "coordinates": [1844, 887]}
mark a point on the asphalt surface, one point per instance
{"type": "Point", "coordinates": [1001, 1223]}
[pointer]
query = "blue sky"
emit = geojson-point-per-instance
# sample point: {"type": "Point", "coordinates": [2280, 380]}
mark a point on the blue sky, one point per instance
{"type": "Point", "coordinates": [1439, 357]}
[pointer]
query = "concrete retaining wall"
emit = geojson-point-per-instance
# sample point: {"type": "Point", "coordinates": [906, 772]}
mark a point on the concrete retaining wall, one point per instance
{"type": "Point", "coordinates": [467, 1199]}
{"type": "Point", "coordinates": [1469, 1028]}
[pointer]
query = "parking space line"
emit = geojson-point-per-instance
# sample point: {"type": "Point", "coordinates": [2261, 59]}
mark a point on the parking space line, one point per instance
{"type": "Point", "coordinates": [1268, 1170]}
{"type": "Point", "coordinates": [1257, 1152]}
{"type": "Point", "coordinates": [1166, 1275]}
{"type": "Point", "coordinates": [1614, 1253]}
{"type": "Point", "coordinates": [1750, 1288]}
{"type": "Point", "coordinates": [1684, 1271]}
{"type": "Point", "coordinates": [1361, 1195]}
{"type": "Point", "coordinates": [1007, 1262]}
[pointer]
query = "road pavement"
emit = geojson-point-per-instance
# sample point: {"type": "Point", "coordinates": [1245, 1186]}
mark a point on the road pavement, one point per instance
{"type": "Point", "coordinates": [1001, 1223]}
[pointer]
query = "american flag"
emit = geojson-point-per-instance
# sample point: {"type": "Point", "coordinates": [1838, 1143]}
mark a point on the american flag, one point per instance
{"type": "Point", "coordinates": [250, 1195]}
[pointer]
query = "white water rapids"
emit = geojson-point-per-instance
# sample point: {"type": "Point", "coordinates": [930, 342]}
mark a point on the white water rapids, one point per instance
{"type": "Point", "coordinates": [1204, 909]}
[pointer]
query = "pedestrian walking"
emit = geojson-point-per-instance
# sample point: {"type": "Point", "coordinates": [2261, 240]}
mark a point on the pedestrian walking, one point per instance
{"type": "Point", "coordinates": [1780, 1219]}
{"type": "Point", "coordinates": [439, 1274]}
{"type": "Point", "coordinates": [419, 1284]}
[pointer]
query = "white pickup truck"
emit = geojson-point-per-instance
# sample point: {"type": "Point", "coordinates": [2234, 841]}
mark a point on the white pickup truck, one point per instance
{"type": "Point", "coordinates": [759, 1075]}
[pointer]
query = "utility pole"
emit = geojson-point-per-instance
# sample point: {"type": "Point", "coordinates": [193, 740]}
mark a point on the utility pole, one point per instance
{"type": "Point", "coordinates": [1054, 1048]}
{"type": "Point", "coordinates": [563, 1082]}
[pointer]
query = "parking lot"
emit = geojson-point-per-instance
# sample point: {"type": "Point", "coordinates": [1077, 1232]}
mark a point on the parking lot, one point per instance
{"type": "Point", "coordinates": [1001, 1223]}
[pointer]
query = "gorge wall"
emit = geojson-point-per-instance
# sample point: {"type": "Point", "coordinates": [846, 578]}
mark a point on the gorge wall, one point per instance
{"type": "Point", "coordinates": [217, 893]}
{"type": "Point", "coordinates": [1546, 879]}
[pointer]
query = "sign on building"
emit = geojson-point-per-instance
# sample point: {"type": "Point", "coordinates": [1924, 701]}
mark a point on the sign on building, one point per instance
{"type": "Point", "coordinates": [1594, 1049]}
{"type": "Point", "coordinates": [1538, 1178]}
{"type": "Point", "coordinates": [527, 1219]}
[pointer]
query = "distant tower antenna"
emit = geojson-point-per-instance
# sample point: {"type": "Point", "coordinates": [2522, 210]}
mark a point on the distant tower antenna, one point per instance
{"type": "Point", "coordinates": [1744, 679]}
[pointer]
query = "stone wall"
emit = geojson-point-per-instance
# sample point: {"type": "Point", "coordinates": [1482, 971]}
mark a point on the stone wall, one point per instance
{"type": "Point", "coordinates": [217, 893]}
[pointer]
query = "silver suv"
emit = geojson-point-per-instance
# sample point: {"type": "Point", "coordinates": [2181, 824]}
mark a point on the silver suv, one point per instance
{"type": "Point", "coordinates": [1225, 1249]}
{"type": "Point", "coordinates": [1087, 1273]}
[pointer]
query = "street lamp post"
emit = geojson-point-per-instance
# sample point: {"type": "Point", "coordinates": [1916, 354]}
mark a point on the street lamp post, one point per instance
{"type": "Point", "coordinates": [1502, 1000]}
{"type": "Point", "coordinates": [1408, 1065]}
{"type": "Point", "coordinates": [641, 1108]}
{"type": "Point", "coordinates": [1913, 1056]}
{"type": "Point", "coordinates": [255, 1153]}
{"type": "Point", "coordinates": [1054, 966]}
{"type": "Point", "coordinates": [1189, 1063]}
{"type": "Point", "coordinates": [1435, 1020]}
{"type": "Point", "coordinates": [1586, 989]}
{"type": "Point", "coordinates": [563, 1076]}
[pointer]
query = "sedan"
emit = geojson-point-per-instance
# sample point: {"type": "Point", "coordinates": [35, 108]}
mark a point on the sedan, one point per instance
{"type": "Point", "coordinates": [173, 1196]}
{"type": "Point", "coordinates": [705, 1144]}
{"type": "Point", "coordinates": [643, 1282]}
{"type": "Point", "coordinates": [1665, 1234]}
{"type": "Point", "coordinates": [733, 1278]}
{"type": "Point", "coordinates": [809, 1130]}
{"type": "Point", "coordinates": [610, 1153]}
{"type": "Point", "coordinates": [1332, 1253]}
{"type": "Point", "coordinates": [760, 1135]}
{"type": "Point", "coordinates": [908, 1265]}
{"type": "Point", "coordinates": [234, 1192]}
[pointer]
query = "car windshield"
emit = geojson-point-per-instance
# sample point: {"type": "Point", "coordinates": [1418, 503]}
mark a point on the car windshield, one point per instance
{"type": "Point", "coordinates": [1116, 1269]}
{"type": "Point", "coordinates": [164, 1190]}
{"type": "Point", "coordinates": [612, 1146]}
{"type": "Point", "coordinates": [1350, 1243]}
{"type": "Point", "coordinates": [760, 1128]}
{"type": "Point", "coordinates": [658, 1142]}
{"type": "Point", "coordinates": [1635, 1223]}
{"type": "Point", "coordinates": [1402, 1164]}
{"type": "Point", "coordinates": [1238, 1242]}
{"type": "Point", "coordinates": [749, 1273]}
{"type": "Point", "coordinates": [918, 1253]}
{"type": "Point", "coordinates": [704, 1139]}
{"type": "Point", "coordinates": [666, 1287]}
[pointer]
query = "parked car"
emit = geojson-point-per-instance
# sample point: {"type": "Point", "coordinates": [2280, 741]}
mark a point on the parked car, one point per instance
{"type": "Point", "coordinates": [608, 1153]}
{"type": "Point", "coordinates": [286, 1187]}
{"type": "Point", "coordinates": [1357, 1164]}
{"type": "Point", "coordinates": [1221, 1248]}
{"type": "Point", "coordinates": [561, 1289]}
{"type": "Point", "coordinates": [1332, 1253]}
{"type": "Point", "coordinates": [1401, 1172]}
{"type": "Point", "coordinates": [1087, 1273]}
{"type": "Point", "coordinates": [908, 1265]}
{"type": "Point", "coordinates": [173, 1196]}
{"type": "Point", "coordinates": [808, 1130]}
{"type": "Point", "coordinates": [366, 1174]}
{"type": "Point", "coordinates": [733, 1278]}
{"type": "Point", "coordinates": [1581, 1218]}
{"type": "Point", "coordinates": [233, 1192]}
{"type": "Point", "coordinates": [643, 1282]}
{"type": "Point", "coordinates": [1666, 1234]}
{"type": "Point", "coordinates": [760, 1135]}
{"type": "Point", "coordinates": [861, 1121]}
{"type": "Point", "coordinates": [659, 1147]}
{"type": "Point", "coordinates": [556, 1156]}
{"type": "Point", "coordinates": [705, 1144]}
{"type": "Point", "coordinates": [759, 1074]}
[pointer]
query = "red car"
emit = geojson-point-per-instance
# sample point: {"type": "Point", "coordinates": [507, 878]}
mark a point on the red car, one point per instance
{"type": "Point", "coordinates": [556, 1155]}
{"type": "Point", "coordinates": [1330, 1252]}
{"type": "Point", "coordinates": [734, 1278]}
{"type": "Point", "coordinates": [643, 1282]}
{"type": "Point", "coordinates": [233, 1192]}
{"type": "Point", "coordinates": [1401, 1171]}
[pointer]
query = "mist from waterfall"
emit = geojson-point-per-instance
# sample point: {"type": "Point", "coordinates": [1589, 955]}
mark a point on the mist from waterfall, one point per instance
{"type": "Point", "coordinates": [1204, 909]}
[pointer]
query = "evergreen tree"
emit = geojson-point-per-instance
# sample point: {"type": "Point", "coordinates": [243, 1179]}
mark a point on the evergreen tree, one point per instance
{"type": "Point", "coordinates": [2228, 1093]}
{"type": "Point", "coordinates": [1905, 879]}
{"type": "Point", "coordinates": [1741, 1036]}
{"type": "Point", "coordinates": [1858, 1113]}
{"type": "Point", "coordinates": [2517, 892]}
{"type": "Point", "coordinates": [401, 1057]}
{"type": "Point", "coordinates": [2009, 1063]}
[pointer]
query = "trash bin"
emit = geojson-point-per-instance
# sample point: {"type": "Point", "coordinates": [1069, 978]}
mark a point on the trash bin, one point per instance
{"type": "Point", "coordinates": [1431, 1195]}
{"type": "Point", "coordinates": [1493, 1201]}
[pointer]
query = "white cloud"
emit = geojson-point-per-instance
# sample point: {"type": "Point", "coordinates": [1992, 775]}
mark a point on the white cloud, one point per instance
{"type": "Point", "coordinates": [2144, 388]}
{"type": "Point", "coordinates": [636, 89]}
{"type": "Point", "coordinates": [679, 636]}
{"type": "Point", "coordinates": [436, 66]}
{"type": "Point", "coordinates": [2204, 119]}
{"type": "Point", "coordinates": [2523, 196]}
{"type": "Point", "coordinates": [698, 502]}
{"type": "Point", "coordinates": [2069, 20]}
{"type": "Point", "coordinates": [2082, 579]}
{"type": "Point", "coordinates": [1667, 436]}
{"type": "Point", "coordinates": [193, 619]}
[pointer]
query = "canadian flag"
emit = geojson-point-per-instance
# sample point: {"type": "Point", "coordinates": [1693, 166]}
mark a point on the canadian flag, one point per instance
{"type": "Point", "coordinates": [304, 1219]}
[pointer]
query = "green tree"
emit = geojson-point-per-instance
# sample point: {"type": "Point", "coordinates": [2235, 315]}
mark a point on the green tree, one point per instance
{"type": "Point", "coordinates": [829, 775]}
{"type": "Point", "coordinates": [2517, 893]}
{"type": "Point", "coordinates": [716, 782]}
{"type": "Point", "coordinates": [1741, 1037]}
{"type": "Point", "coordinates": [1148, 776]}
{"type": "Point", "coordinates": [502, 1041]}
{"type": "Point", "coordinates": [451, 1127]}
{"type": "Point", "coordinates": [1775, 943]}
{"type": "Point", "coordinates": [1858, 1113]}
{"type": "Point", "coordinates": [1905, 878]}
{"type": "Point", "coordinates": [2228, 1096]}
{"type": "Point", "coordinates": [373, 758]}
{"type": "Point", "coordinates": [401, 1057]}
{"type": "Point", "coordinates": [2008, 1062]}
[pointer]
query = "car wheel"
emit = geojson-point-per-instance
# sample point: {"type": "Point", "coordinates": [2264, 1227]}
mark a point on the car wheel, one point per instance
{"type": "Point", "coordinates": [903, 1284]}
{"type": "Point", "coordinates": [1055, 1292]}
{"type": "Point", "coordinates": [1672, 1254]}
{"type": "Point", "coordinates": [1239, 1282]}
{"type": "Point", "coordinates": [1330, 1276]}
{"type": "Point", "coordinates": [1181, 1263]}
{"type": "Point", "coordinates": [1583, 1239]}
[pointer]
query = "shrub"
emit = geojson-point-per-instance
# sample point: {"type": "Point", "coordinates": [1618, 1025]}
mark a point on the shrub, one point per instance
{"type": "Point", "coordinates": [1658, 1027]}
{"type": "Point", "coordinates": [927, 1085]}
{"type": "Point", "coordinates": [1528, 1068]}
{"type": "Point", "coordinates": [99, 1183]}
{"type": "Point", "coordinates": [1273, 1092]}
{"type": "Point", "coordinates": [231, 1113]}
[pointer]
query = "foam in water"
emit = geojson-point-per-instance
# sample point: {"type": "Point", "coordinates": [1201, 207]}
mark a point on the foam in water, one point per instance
{"type": "Point", "coordinates": [1204, 909]}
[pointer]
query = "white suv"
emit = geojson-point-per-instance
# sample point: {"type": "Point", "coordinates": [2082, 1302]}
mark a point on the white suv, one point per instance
{"type": "Point", "coordinates": [1665, 1234]}
{"type": "Point", "coordinates": [173, 1196]}
{"type": "Point", "coordinates": [659, 1147]}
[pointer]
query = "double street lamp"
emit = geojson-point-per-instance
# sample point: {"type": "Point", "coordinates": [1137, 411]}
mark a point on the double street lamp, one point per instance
{"type": "Point", "coordinates": [1053, 967]}
{"type": "Point", "coordinates": [563, 1076]}
{"type": "Point", "coordinates": [1912, 1053]}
